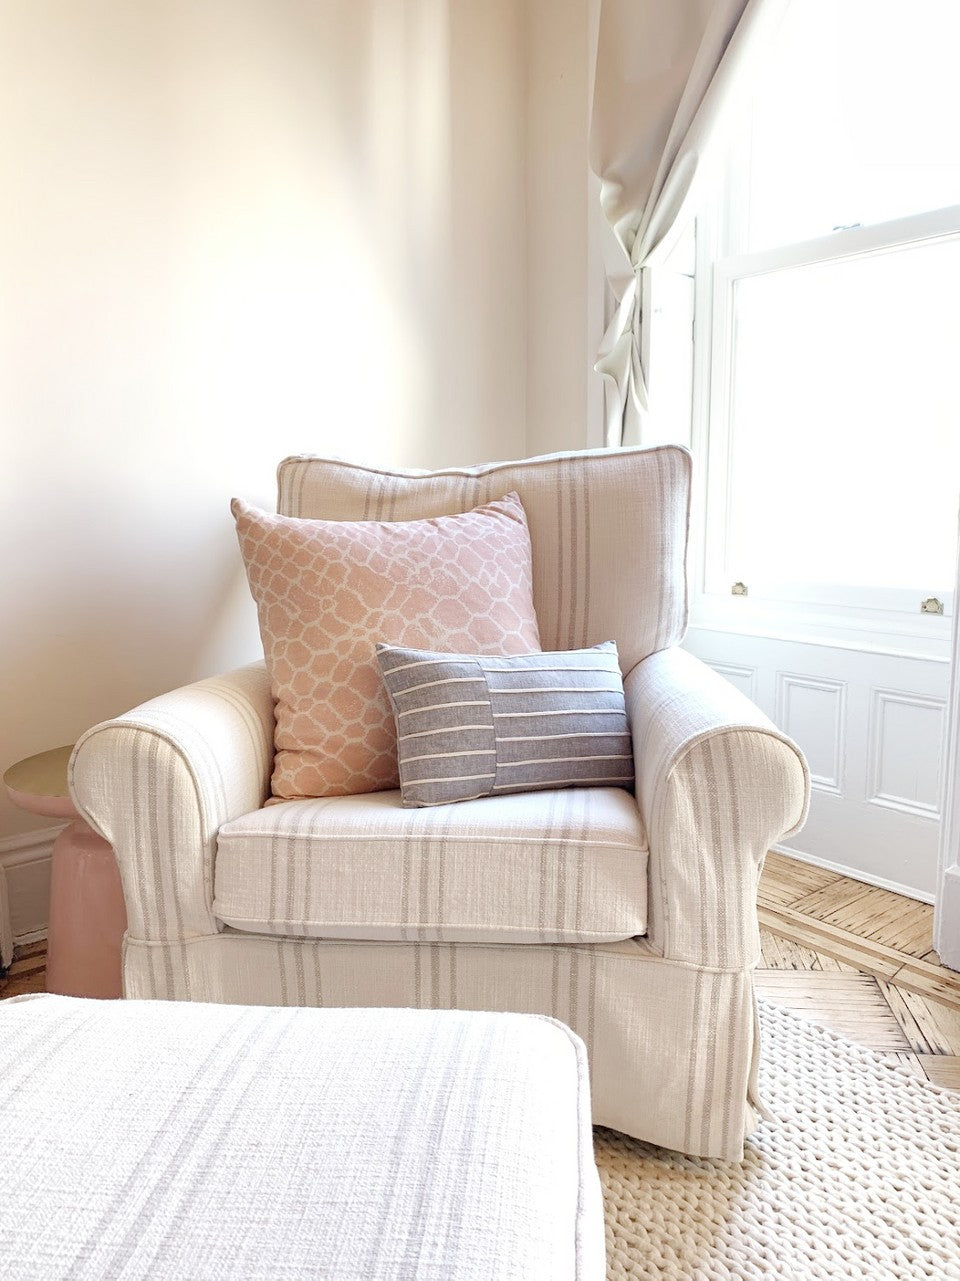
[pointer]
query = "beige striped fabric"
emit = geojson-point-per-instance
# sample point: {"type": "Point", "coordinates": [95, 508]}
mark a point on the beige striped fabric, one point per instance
{"type": "Point", "coordinates": [717, 785]}
{"type": "Point", "coordinates": [608, 530]}
{"type": "Point", "coordinates": [716, 776]}
{"type": "Point", "coordinates": [565, 868]}
{"type": "Point", "coordinates": [470, 725]}
{"type": "Point", "coordinates": [158, 784]}
{"type": "Point", "coordinates": [150, 1142]}
{"type": "Point", "coordinates": [672, 1047]}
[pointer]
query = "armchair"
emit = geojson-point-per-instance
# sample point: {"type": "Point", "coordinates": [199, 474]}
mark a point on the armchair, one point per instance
{"type": "Point", "coordinates": [632, 920]}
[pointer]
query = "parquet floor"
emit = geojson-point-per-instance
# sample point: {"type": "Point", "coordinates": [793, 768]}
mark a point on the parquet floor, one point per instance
{"type": "Point", "coordinates": [857, 959]}
{"type": "Point", "coordinates": [861, 961]}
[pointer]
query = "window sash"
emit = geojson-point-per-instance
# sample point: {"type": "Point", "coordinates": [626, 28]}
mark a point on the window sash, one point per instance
{"type": "Point", "coordinates": [871, 608]}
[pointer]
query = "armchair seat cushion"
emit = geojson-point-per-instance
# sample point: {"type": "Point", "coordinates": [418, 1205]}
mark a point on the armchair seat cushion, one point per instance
{"type": "Point", "coordinates": [540, 867]}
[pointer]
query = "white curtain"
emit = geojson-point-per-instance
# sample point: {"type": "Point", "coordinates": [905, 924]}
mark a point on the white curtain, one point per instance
{"type": "Point", "coordinates": [667, 71]}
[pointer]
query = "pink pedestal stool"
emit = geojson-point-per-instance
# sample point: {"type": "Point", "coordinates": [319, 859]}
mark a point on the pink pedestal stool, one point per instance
{"type": "Point", "coordinates": [87, 913]}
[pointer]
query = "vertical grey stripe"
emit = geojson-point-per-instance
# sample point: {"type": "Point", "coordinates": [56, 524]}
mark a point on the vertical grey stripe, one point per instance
{"type": "Point", "coordinates": [563, 853]}
{"type": "Point", "coordinates": [707, 775]}
{"type": "Point", "coordinates": [298, 969]}
{"type": "Point", "coordinates": [441, 864]}
{"type": "Point", "coordinates": [406, 877]}
{"type": "Point", "coordinates": [692, 1092]}
{"type": "Point", "coordinates": [427, 855]}
{"type": "Point", "coordinates": [654, 530]}
{"type": "Point", "coordinates": [555, 642]}
{"type": "Point", "coordinates": [585, 799]}
{"type": "Point", "coordinates": [417, 978]}
{"type": "Point", "coordinates": [574, 556]}
{"type": "Point", "coordinates": [687, 784]}
{"type": "Point", "coordinates": [45, 1039]}
{"type": "Point", "coordinates": [170, 846]}
{"type": "Point", "coordinates": [430, 1114]}
{"type": "Point", "coordinates": [318, 972]}
{"type": "Point", "coordinates": [130, 743]}
{"type": "Point", "coordinates": [592, 1006]}
{"type": "Point", "coordinates": [587, 565]}
{"type": "Point", "coordinates": [555, 982]}
{"type": "Point", "coordinates": [743, 901]}
{"type": "Point", "coordinates": [306, 901]}
{"type": "Point", "coordinates": [220, 1074]}
{"type": "Point", "coordinates": [254, 728]}
{"type": "Point", "coordinates": [282, 965]}
{"type": "Point", "coordinates": [730, 1075]}
{"type": "Point", "coordinates": [274, 846]}
{"type": "Point", "coordinates": [715, 916]}
{"type": "Point", "coordinates": [547, 860]}
{"type": "Point", "coordinates": [153, 821]}
{"type": "Point", "coordinates": [454, 1002]}
{"type": "Point", "coordinates": [573, 1017]}
{"type": "Point", "coordinates": [304, 469]}
{"type": "Point", "coordinates": [367, 498]}
{"type": "Point", "coordinates": [381, 495]}
{"type": "Point", "coordinates": [435, 1003]}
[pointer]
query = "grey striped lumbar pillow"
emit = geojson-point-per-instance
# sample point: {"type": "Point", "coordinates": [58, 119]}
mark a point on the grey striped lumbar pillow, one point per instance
{"type": "Point", "coordinates": [469, 725]}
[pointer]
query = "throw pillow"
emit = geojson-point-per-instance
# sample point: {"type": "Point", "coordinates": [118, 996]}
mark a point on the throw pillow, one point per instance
{"type": "Point", "coordinates": [473, 725]}
{"type": "Point", "coordinates": [327, 590]}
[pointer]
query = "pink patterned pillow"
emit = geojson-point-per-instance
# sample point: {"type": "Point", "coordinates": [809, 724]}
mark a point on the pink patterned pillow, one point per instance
{"type": "Point", "coordinates": [328, 590]}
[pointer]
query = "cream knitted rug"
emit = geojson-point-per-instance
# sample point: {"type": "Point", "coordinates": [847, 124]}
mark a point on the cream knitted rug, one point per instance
{"type": "Point", "coordinates": [859, 1177]}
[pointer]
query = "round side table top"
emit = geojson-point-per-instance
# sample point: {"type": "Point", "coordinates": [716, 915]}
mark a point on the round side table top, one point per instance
{"type": "Point", "coordinates": [39, 784]}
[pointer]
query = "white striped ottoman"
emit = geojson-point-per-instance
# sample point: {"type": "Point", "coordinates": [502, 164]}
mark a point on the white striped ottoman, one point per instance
{"type": "Point", "coordinates": [186, 1142]}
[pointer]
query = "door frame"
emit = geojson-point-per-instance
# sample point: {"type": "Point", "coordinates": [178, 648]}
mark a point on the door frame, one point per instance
{"type": "Point", "coordinates": [946, 920]}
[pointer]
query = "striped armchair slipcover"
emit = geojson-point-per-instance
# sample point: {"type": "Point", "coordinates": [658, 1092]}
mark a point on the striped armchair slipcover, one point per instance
{"type": "Point", "coordinates": [633, 919]}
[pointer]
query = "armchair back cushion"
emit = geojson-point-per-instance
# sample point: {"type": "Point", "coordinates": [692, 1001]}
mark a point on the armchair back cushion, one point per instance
{"type": "Point", "coordinates": [608, 530]}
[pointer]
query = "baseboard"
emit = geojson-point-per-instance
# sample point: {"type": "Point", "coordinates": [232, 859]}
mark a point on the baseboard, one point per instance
{"type": "Point", "coordinates": [855, 874]}
{"type": "Point", "coordinates": [25, 870]}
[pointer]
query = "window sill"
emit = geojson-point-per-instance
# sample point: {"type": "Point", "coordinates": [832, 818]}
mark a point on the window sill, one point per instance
{"type": "Point", "coordinates": [881, 632]}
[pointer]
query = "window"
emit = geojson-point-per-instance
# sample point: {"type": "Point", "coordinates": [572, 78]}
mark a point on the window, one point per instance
{"type": "Point", "coordinates": [829, 302]}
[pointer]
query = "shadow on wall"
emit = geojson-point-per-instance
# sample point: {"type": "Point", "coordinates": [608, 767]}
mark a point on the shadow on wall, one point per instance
{"type": "Point", "coordinates": [241, 231]}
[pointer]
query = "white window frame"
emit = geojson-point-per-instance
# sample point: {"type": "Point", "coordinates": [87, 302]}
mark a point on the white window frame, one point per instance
{"type": "Point", "coordinates": [886, 620]}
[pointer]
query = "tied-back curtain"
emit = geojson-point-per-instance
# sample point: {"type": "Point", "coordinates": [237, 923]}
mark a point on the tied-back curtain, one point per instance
{"type": "Point", "coordinates": [666, 72]}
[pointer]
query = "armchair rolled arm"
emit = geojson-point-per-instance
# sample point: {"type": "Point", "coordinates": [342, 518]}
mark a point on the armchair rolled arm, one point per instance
{"type": "Point", "coordinates": [160, 781]}
{"type": "Point", "coordinates": [717, 785]}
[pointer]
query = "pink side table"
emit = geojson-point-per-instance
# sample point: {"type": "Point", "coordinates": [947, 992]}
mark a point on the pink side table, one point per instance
{"type": "Point", "coordinates": [87, 913]}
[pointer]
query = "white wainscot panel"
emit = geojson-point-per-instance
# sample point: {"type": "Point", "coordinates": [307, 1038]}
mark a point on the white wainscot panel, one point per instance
{"type": "Point", "coordinates": [906, 738]}
{"type": "Point", "coordinates": [745, 678]}
{"type": "Point", "coordinates": [813, 712]}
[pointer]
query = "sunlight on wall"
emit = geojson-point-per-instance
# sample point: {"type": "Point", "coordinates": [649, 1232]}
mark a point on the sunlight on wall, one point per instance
{"type": "Point", "coordinates": [238, 230]}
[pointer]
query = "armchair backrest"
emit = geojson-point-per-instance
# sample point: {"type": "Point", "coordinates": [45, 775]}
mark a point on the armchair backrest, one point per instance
{"type": "Point", "coordinates": [608, 530]}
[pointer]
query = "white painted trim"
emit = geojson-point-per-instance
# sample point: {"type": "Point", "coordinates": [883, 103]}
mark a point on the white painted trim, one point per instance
{"type": "Point", "coordinates": [851, 242]}
{"type": "Point", "coordinates": [21, 850]}
{"type": "Point", "coordinates": [35, 936]}
{"type": "Point", "coordinates": [854, 873]}
{"type": "Point", "coordinates": [824, 638]}
{"type": "Point", "coordinates": [946, 920]}
{"type": "Point", "coordinates": [17, 849]}
{"type": "Point", "coordinates": [6, 927]}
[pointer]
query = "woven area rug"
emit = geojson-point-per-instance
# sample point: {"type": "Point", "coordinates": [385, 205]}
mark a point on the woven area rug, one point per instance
{"type": "Point", "coordinates": [858, 1177]}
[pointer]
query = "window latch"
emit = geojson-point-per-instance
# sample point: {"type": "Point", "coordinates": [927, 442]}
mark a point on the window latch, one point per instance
{"type": "Point", "coordinates": [740, 589]}
{"type": "Point", "coordinates": [931, 606]}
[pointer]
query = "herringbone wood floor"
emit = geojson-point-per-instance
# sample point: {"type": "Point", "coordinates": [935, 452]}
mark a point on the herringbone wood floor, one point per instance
{"type": "Point", "coordinates": [855, 958]}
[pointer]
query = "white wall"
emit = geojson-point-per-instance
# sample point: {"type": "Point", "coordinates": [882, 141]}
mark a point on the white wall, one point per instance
{"type": "Point", "coordinates": [231, 230]}
{"type": "Point", "coordinates": [564, 269]}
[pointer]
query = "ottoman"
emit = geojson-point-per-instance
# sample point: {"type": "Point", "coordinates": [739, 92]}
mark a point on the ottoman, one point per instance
{"type": "Point", "coordinates": [180, 1141]}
